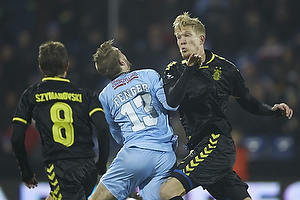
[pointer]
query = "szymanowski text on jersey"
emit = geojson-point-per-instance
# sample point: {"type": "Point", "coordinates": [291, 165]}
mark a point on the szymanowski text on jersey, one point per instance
{"type": "Point", "coordinates": [58, 95]}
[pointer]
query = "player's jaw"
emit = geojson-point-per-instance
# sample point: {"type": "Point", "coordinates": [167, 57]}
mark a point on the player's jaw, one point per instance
{"type": "Point", "coordinates": [185, 53]}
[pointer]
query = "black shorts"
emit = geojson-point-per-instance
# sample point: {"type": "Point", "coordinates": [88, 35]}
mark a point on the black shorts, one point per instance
{"type": "Point", "coordinates": [72, 178]}
{"type": "Point", "coordinates": [210, 165]}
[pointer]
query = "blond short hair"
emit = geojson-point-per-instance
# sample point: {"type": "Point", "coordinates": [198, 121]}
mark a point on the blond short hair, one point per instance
{"type": "Point", "coordinates": [185, 20]}
{"type": "Point", "coordinates": [106, 60]}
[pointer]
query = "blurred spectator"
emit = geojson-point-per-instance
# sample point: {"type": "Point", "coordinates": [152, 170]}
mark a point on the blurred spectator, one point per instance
{"type": "Point", "coordinates": [241, 166]}
{"type": "Point", "coordinates": [253, 30]}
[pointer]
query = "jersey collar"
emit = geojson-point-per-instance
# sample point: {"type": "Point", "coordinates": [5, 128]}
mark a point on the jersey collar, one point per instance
{"type": "Point", "coordinates": [55, 78]}
{"type": "Point", "coordinates": [209, 57]}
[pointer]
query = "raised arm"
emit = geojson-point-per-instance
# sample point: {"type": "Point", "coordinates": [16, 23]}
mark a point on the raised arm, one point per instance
{"type": "Point", "coordinates": [175, 83]}
{"type": "Point", "coordinates": [175, 89]}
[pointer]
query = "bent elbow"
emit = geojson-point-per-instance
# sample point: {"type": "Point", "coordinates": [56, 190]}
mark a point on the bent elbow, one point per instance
{"type": "Point", "coordinates": [172, 104]}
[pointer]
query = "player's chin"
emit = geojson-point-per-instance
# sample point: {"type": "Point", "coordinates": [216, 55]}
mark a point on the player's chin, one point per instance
{"type": "Point", "coordinates": [185, 55]}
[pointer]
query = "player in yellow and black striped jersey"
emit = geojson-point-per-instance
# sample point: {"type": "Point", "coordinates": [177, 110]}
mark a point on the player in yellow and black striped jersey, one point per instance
{"type": "Point", "coordinates": [64, 116]}
{"type": "Point", "coordinates": [201, 85]}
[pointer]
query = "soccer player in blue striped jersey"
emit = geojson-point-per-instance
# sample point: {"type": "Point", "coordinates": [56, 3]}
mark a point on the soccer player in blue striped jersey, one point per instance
{"type": "Point", "coordinates": [136, 110]}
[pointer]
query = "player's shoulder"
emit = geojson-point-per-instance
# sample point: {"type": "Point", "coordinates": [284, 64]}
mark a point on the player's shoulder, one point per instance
{"type": "Point", "coordinates": [175, 63]}
{"type": "Point", "coordinates": [147, 72]}
{"type": "Point", "coordinates": [81, 89]}
{"type": "Point", "coordinates": [30, 90]}
{"type": "Point", "coordinates": [106, 91]}
{"type": "Point", "coordinates": [222, 61]}
{"type": "Point", "coordinates": [87, 94]}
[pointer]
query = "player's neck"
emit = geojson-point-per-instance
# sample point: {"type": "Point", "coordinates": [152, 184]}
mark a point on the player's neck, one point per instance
{"type": "Point", "coordinates": [120, 74]}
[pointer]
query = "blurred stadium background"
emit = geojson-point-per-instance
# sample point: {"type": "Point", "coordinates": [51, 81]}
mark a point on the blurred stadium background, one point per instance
{"type": "Point", "coordinates": [261, 37]}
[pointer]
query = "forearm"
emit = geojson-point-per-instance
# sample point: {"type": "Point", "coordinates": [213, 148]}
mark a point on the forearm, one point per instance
{"type": "Point", "coordinates": [175, 91]}
{"type": "Point", "coordinates": [104, 147]}
{"type": "Point", "coordinates": [103, 137]}
{"type": "Point", "coordinates": [19, 149]}
{"type": "Point", "coordinates": [255, 106]}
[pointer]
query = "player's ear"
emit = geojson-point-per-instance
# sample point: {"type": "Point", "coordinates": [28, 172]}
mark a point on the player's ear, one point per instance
{"type": "Point", "coordinates": [202, 39]}
{"type": "Point", "coordinates": [67, 67]}
{"type": "Point", "coordinates": [40, 69]}
{"type": "Point", "coordinates": [121, 62]}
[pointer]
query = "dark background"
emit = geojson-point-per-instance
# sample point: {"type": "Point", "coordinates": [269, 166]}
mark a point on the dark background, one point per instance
{"type": "Point", "coordinates": [261, 37]}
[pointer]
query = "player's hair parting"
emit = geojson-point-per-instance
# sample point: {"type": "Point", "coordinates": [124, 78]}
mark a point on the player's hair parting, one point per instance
{"type": "Point", "coordinates": [106, 60]}
{"type": "Point", "coordinates": [185, 20]}
{"type": "Point", "coordinates": [53, 58]}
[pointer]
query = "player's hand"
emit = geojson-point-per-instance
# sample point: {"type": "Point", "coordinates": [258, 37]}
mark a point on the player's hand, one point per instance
{"type": "Point", "coordinates": [194, 59]}
{"type": "Point", "coordinates": [32, 183]}
{"type": "Point", "coordinates": [284, 109]}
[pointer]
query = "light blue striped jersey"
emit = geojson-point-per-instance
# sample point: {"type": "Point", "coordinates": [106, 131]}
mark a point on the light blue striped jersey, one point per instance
{"type": "Point", "coordinates": [135, 108]}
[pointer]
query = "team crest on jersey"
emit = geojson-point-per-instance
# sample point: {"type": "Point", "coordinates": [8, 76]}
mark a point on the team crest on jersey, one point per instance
{"type": "Point", "coordinates": [123, 81]}
{"type": "Point", "coordinates": [217, 73]}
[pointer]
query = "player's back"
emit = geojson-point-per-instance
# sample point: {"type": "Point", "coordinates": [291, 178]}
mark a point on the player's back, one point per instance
{"type": "Point", "coordinates": [134, 107]}
{"type": "Point", "coordinates": [61, 113]}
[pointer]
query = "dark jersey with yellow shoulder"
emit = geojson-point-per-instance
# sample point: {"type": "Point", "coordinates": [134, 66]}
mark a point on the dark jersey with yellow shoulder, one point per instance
{"type": "Point", "coordinates": [203, 92]}
{"type": "Point", "coordinates": [61, 111]}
